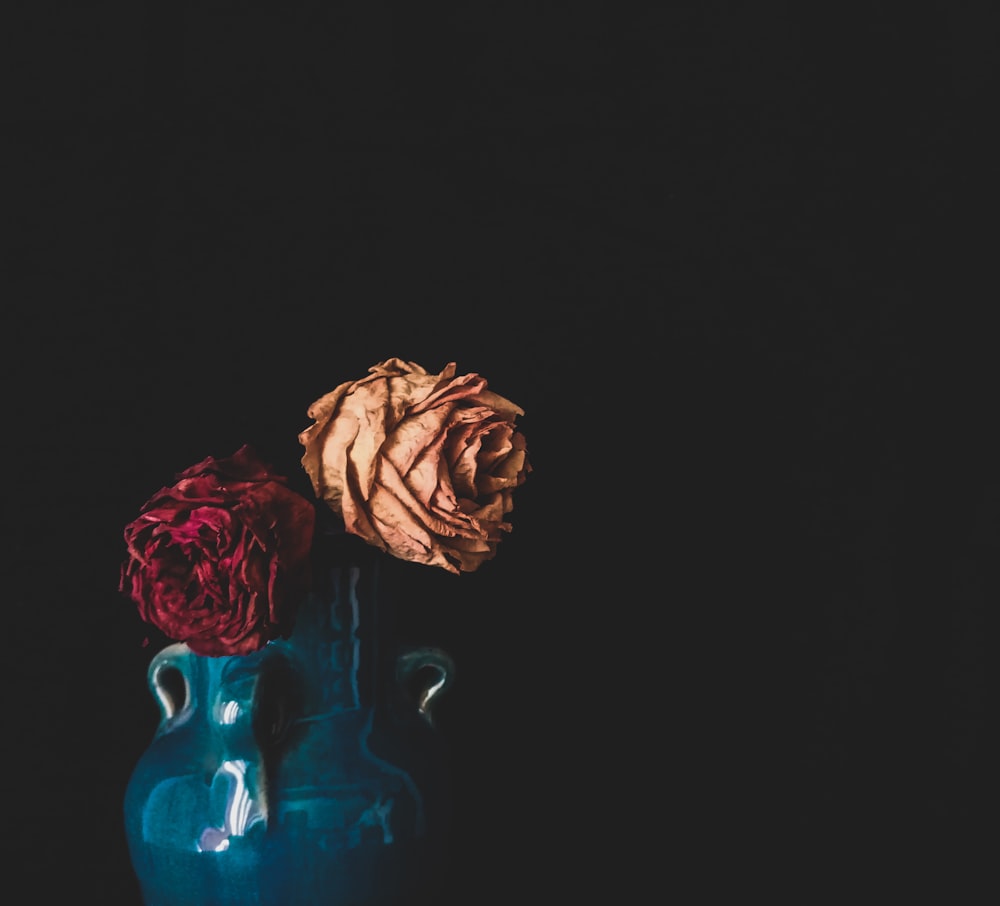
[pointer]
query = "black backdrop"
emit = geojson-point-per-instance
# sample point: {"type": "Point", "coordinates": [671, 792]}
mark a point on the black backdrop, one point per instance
{"type": "Point", "coordinates": [724, 257]}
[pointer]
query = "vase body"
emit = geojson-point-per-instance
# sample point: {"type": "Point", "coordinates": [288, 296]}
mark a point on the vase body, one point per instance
{"type": "Point", "coordinates": [306, 773]}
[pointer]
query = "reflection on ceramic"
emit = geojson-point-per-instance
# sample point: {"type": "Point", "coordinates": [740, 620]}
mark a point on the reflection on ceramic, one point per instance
{"type": "Point", "coordinates": [309, 772]}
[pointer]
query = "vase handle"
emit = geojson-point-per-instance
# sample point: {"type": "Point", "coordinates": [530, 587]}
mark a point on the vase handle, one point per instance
{"type": "Point", "coordinates": [169, 679]}
{"type": "Point", "coordinates": [437, 665]}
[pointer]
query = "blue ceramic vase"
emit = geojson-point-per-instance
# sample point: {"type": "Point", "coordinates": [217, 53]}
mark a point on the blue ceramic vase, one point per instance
{"type": "Point", "coordinates": [306, 773]}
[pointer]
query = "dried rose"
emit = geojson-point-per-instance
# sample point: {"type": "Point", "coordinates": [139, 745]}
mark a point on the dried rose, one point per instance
{"type": "Point", "coordinates": [218, 559]}
{"type": "Point", "coordinates": [420, 465]}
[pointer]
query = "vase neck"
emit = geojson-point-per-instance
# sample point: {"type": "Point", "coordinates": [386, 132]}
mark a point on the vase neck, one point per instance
{"type": "Point", "coordinates": [338, 627]}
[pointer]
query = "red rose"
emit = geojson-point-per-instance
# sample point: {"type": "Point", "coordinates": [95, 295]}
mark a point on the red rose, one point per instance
{"type": "Point", "coordinates": [219, 559]}
{"type": "Point", "coordinates": [420, 465]}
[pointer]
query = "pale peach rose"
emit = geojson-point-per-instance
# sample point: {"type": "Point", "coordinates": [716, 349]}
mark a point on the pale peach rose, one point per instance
{"type": "Point", "coordinates": [423, 466]}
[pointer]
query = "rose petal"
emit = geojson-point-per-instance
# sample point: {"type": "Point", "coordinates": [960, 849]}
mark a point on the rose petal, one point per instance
{"type": "Point", "coordinates": [421, 465]}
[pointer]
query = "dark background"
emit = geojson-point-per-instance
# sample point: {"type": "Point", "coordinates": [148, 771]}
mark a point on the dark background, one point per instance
{"type": "Point", "coordinates": [725, 256]}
